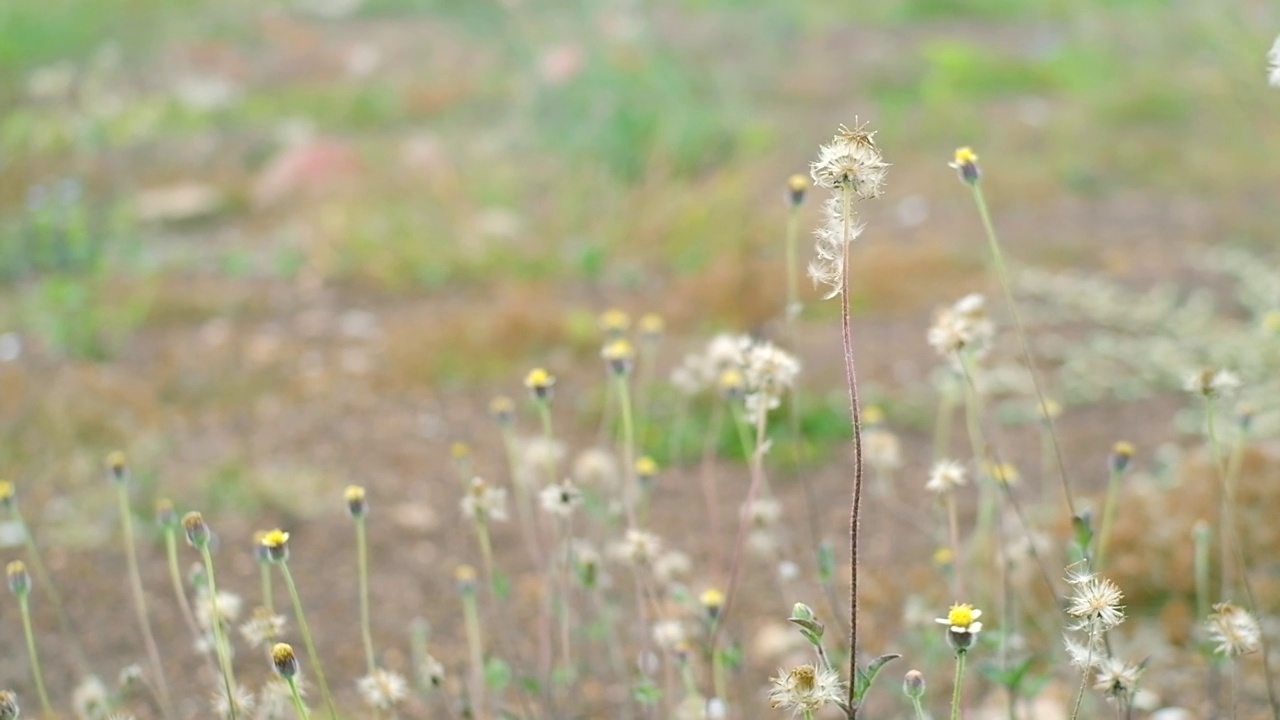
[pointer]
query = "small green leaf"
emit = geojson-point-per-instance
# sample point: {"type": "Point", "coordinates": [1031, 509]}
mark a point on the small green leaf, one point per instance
{"type": "Point", "coordinates": [865, 678]}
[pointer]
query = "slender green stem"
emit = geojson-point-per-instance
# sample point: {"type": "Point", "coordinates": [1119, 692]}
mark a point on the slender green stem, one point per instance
{"type": "Point", "coordinates": [915, 704]}
{"type": "Point", "coordinates": [306, 638]}
{"type": "Point", "coordinates": [25, 606]}
{"type": "Point", "coordinates": [956, 692]}
{"type": "Point", "coordinates": [1224, 503]}
{"type": "Point", "coordinates": [475, 654]}
{"type": "Point", "coordinates": [298, 705]}
{"type": "Point", "coordinates": [220, 645]}
{"type": "Point", "coordinates": [1108, 516]}
{"type": "Point", "coordinates": [718, 681]}
{"type": "Point", "coordinates": [175, 579]}
{"type": "Point", "coordinates": [957, 554]}
{"type": "Point", "coordinates": [997, 257]}
{"type": "Point", "coordinates": [793, 294]}
{"type": "Point", "coordinates": [806, 714]}
{"type": "Point", "coordinates": [268, 595]}
{"type": "Point", "coordinates": [140, 597]}
{"type": "Point", "coordinates": [362, 568]}
{"type": "Point", "coordinates": [55, 598]}
{"type": "Point", "coordinates": [628, 447]}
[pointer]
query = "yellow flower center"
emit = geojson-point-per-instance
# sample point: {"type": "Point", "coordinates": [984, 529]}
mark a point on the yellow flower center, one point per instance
{"type": "Point", "coordinates": [960, 615]}
{"type": "Point", "coordinates": [712, 598]}
{"type": "Point", "coordinates": [538, 378]}
{"type": "Point", "coordinates": [966, 156]}
{"type": "Point", "coordinates": [275, 538]}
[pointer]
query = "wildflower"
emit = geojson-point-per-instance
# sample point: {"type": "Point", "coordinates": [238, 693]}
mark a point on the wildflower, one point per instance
{"type": "Point", "coordinates": [1234, 629]}
{"type": "Point", "coordinates": [264, 628]}
{"type": "Point", "coordinates": [730, 384]}
{"type": "Point", "coordinates": [805, 689]}
{"type": "Point", "coordinates": [224, 608]}
{"type": "Point", "coordinates": [284, 660]}
{"type": "Point", "coordinates": [712, 602]}
{"type": "Point", "coordinates": [1273, 64]}
{"type": "Point", "coordinates": [962, 625]}
{"type": "Point", "coordinates": [946, 476]}
{"type": "Point", "coordinates": [540, 382]}
{"type": "Point", "coordinates": [639, 548]}
{"type": "Point", "coordinates": [1121, 454]}
{"type": "Point", "coordinates": [614, 322]}
{"type": "Point", "coordinates": [619, 356]}
{"type": "Point", "coordinates": [851, 160]}
{"type": "Point", "coordinates": [1096, 604]}
{"type": "Point", "coordinates": [276, 543]}
{"type": "Point", "coordinates": [484, 502]}
{"type": "Point", "coordinates": [966, 163]}
{"type": "Point", "coordinates": [943, 556]}
{"type": "Point", "coordinates": [502, 410]}
{"type": "Point", "coordinates": [116, 466]}
{"type": "Point", "coordinates": [646, 469]}
{"type": "Point", "coordinates": [651, 327]}
{"type": "Point", "coordinates": [166, 517]}
{"type": "Point", "coordinates": [7, 492]}
{"type": "Point", "coordinates": [561, 499]}
{"type": "Point", "coordinates": [1245, 413]}
{"type": "Point", "coordinates": [796, 186]}
{"type": "Point", "coordinates": [1003, 473]}
{"type": "Point", "coordinates": [769, 371]}
{"type": "Point", "coordinates": [872, 415]}
{"type": "Point", "coordinates": [8, 705]}
{"type": "Point", "coordinates": [465, 578]}
{"type": "Point", "coordinates": [1117, 678]}
{"type": "Point", "coordinates": [356, 504]}
{"type": "Point", "coordinates": [383, 689]}
{"type": "Point", "coordinates": [19, 579]}
{"type": "Point", "coordinates": [196, 529]}
{"type": "Point", "coordinates": [1212, 382]}
{"type": "Point", "coordinates": [129, 677]}
{"type": "Point", "coordinates": [459, 450]}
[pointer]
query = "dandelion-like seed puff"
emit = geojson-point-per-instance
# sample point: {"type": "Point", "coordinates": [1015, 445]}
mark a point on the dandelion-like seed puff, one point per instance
{"type": "Point", "coordinates": [849, 166]}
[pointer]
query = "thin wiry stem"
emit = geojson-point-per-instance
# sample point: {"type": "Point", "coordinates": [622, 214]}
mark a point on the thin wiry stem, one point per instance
{"type": "Point", "coordinates": [362, 569]}
{"type": "Point", "coordinates": [475, 655]}
{"type": "Point", "coordinates": [175, 579]}
{"type": "Point", "coordinates": [997, 257]}
{"type": "Point", "coordinates": [628, 448]}
{"type": "Point", "coordinates": [956, 692]}
{"type": "Point", "coordinates": [24, 606]}
{"type": "Point", "coordinates": [55, 599]}
{"type": "Point", "coordinates": [306, 638]}
{"type": "Point", "coordinates": [1108, 516]}
{"type": "Point", "coordinates": [851, 380]}
{"type": "Point", "coordinates": [298, 706]}
{"type": "Point", "coordinates": [220, 646]}
{"type": "Point", "coordinates": [140, 598]}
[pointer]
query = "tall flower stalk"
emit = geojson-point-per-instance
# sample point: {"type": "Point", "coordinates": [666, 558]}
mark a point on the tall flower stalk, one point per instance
{"type": "Point", "coordinates": [119, 474]}
{"type": "Point", "coordinates": [359, 509]}
{"type": "Point", "coordinates": [199, 536]}
{"type": "Point", "coordinates": [966, 163]}
{"type": "Point", "coordinates": [849, 166]}
{"type": "Point", "coordinates": [20, 586]}
{"type": "Point", "coordinates": [277, 544]}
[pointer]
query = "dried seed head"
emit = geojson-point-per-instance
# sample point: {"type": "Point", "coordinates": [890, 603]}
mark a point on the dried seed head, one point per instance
{"type": "Point", "coordinates": [7, 492]}
{"type": "Point", "coordinates": [946, 476]}
{"type": "Point", "coordinates": [1121, 454]}
{"type": "Point", "coordinates": [540, 382]}
{"type": "Point", "coordinates": [356, 503]}
{"type": "Point", "coordinates": [502, 410]}
{"type": "Point", "coordinates": [1096, 603]}
{"type": "Point", "coordinates": [966, 163]}
{"type": "Point", "coordinates": [1234, 629]}
{"type": "Point", "coordinates": [1212, 382]}
{"type": "Point", "coordinates": [276, 543]}
{"type": "Point", "coordinates": [851, 161]}
{"type": "Point", "coordinates": [383, 689]}
{"type": "Point", "coordinates": [284, 660]}
{"type": "Point", "coordinates": [19, 579]}
{"type": "Point", "coordinates": [805, 689]}
{"type": "Point", "coordinates": [117, 466]}
{"type": "Point", "coordinates": [197, 530]}
{"type": "Point", "coordinates": [796, 186]}
{"type": "Point", "coordinates": [8, 705]}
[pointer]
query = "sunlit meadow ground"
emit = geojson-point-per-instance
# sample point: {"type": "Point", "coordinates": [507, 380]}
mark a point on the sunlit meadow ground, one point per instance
{"type": "Point", "coordinates": [271, 249]}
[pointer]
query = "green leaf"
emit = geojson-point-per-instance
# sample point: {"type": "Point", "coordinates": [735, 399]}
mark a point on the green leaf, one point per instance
{"type": "Point", "coordinates": [864, 679]}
